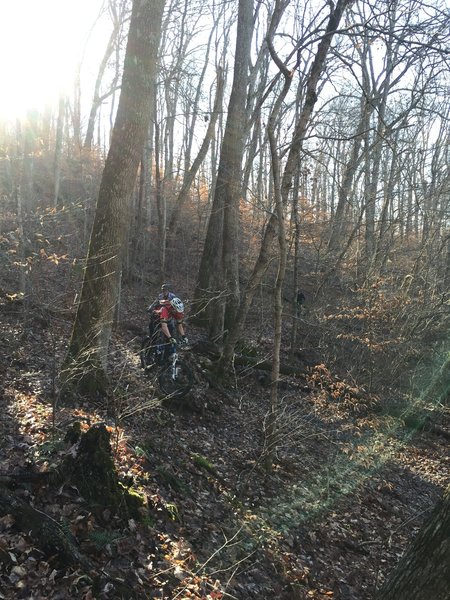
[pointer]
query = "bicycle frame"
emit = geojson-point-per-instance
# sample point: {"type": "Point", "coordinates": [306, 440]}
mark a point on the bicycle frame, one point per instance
{"type": "Point", "coordinates": [174, 375]}
{"type": "Point", "coordinates": [174, 359]}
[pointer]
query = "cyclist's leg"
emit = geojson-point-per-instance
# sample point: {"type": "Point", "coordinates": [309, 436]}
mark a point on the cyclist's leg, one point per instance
{"type": "Point", "coordinates": [146, 352]}
{"type": "Point", "coordinates": [159, 341]}
{"type": "Point", "coordinates": [150, 342]}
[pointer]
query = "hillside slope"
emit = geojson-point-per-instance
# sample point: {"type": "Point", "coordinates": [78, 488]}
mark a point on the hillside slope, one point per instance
{"type": "Point", "coordinates": [350, 487]}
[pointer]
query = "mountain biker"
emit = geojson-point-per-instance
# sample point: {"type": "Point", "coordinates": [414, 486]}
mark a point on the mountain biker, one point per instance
{"type": "Point", "coordinates": [166, 310]}
{"type": "Point", "coordinates": [172, 311]}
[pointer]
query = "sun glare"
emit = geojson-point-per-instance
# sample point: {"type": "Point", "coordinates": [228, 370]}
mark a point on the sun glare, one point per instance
{"type": "Point", "coordinates": [41, 42]}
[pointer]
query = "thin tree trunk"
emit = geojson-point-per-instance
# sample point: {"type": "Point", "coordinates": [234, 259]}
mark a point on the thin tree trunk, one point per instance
{"type": "Point", "coordinates": [335, 241]}
{"type": "Point", "coordinates": [58, 151]}
{"type": "Point", "coordinates": [291, 164]}
{"type": "Point", "coordinates": [160, 204]}
{"type": "Point", "coordinates": [295, 284]}
{"type": "Point", "coordinates": [190, 175]}
{"type": "Point", "coordinates": [271, 428]}
{"type": "Point", "coordinates": [97, 99]}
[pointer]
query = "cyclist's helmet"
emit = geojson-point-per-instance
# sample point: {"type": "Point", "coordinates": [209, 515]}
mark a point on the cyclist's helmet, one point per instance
{"type": "Point", "coordinates": [177, 305]}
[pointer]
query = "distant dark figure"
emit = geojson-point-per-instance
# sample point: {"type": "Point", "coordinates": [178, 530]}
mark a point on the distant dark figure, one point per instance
{"type": "Point", "coordinates": [300, 300]}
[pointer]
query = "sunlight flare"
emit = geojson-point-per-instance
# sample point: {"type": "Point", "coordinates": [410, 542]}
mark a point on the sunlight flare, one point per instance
{"type": "Point", "coordinates": [40, 45]}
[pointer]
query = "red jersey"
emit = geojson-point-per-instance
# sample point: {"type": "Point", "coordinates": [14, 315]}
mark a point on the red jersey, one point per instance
{"type": "Point", "coordinates": [168, 312]}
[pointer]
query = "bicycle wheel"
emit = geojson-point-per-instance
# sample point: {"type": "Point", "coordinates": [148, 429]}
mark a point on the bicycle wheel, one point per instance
{"type": "Point", "coordinates": [178, 386]}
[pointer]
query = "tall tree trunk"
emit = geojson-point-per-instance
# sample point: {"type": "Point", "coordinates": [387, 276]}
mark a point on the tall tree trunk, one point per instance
{"type": "Point", "coordinates": [16, 162]}
{"type": "Point", "coordinates": [423, 573]}
{"type": "Point", "coordinates": [76, 113]}
{"type": "Point", "coordinates": [160, 204]}
{"type": "Point", "coordinates": [335, 242]}
{"type": "Point", "coordinates": [271, 428]}
{"type": "Point", "coordinates": [86, 359]}
{"type": "Point", "coordinates": [295, 218]}
{"type": "Point", "coordinates": [229, 177]}
{"type": "Point", "coordinates": [380, 134]}
{"type": "Point", "coordinates": [228, 189]}
{"type": "Point", "coordinates": [382, 246]}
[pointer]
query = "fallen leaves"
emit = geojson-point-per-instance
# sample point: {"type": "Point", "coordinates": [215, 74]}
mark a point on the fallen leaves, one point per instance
{"type": "Point", "coordinates": [203, 480]}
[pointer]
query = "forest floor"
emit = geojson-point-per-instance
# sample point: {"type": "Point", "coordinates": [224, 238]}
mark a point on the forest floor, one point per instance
{"type": "Point", "coordinates": [350, 487]}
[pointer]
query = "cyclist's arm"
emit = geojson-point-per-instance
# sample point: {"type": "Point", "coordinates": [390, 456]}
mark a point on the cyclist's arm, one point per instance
{"type": "Point", "coordinates": [165, 329]}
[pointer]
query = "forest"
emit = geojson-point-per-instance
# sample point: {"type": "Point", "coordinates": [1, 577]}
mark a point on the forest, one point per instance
{"type": "Point", "coordinates": [282, 167]}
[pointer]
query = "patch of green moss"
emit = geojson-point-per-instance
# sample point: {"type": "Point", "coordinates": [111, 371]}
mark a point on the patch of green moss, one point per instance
{"type": "Point", "coordinates": [134, 500]}
{"type": "Point", "coordinates": [102, 538]}
{"type": "Point", "coordinates": [203, 463]}
{"type": "Point", "coordinates": [173, 481]}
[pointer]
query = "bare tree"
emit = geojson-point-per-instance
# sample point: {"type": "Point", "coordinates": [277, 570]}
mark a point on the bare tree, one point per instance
{"type": "Point", "coordinates": [192, 171]}
{"type": "Point", "coordinates": [58, 149]}
{"type": "Point", "coordinates": [118, 18]}
{"type": "Point", "coordinates": [295, 147]}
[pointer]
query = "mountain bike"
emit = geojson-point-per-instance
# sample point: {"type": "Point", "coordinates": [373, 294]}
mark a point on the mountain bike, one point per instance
{"type": "Point", "coordinates": [175, 377]}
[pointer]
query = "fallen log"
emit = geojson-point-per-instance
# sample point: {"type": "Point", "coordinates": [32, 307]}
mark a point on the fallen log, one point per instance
{"type": "Point", "coordinates": [266, 365]}
{"type": "Point", "coordinates": [210, 350]}
{"type": "Point", "coordinates": [47, 533]}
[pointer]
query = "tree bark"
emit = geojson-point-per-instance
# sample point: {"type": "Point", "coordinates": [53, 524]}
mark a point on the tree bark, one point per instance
{"type": "Point", "coordinates": [271, 430]}
{"type": "Point", "coordinates": [228, 192]}
{"type": "Point", "coordinates": [423, 573]}
{"type": "Point", "coordinates": [85, 364]}
{"type": "Point", "coordinates": [229, 177]}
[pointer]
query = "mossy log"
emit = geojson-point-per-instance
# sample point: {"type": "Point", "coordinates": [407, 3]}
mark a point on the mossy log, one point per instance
{"type": "Point", "coordinates": [45, 530]}
{"type": "Point", "coordinates": [211, 350]}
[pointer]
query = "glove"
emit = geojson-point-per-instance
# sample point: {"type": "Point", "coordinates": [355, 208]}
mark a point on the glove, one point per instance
{"type": "Point", "coordinates": [184, 340]}
{"type": "Point", "coordinates": [172, 340]}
